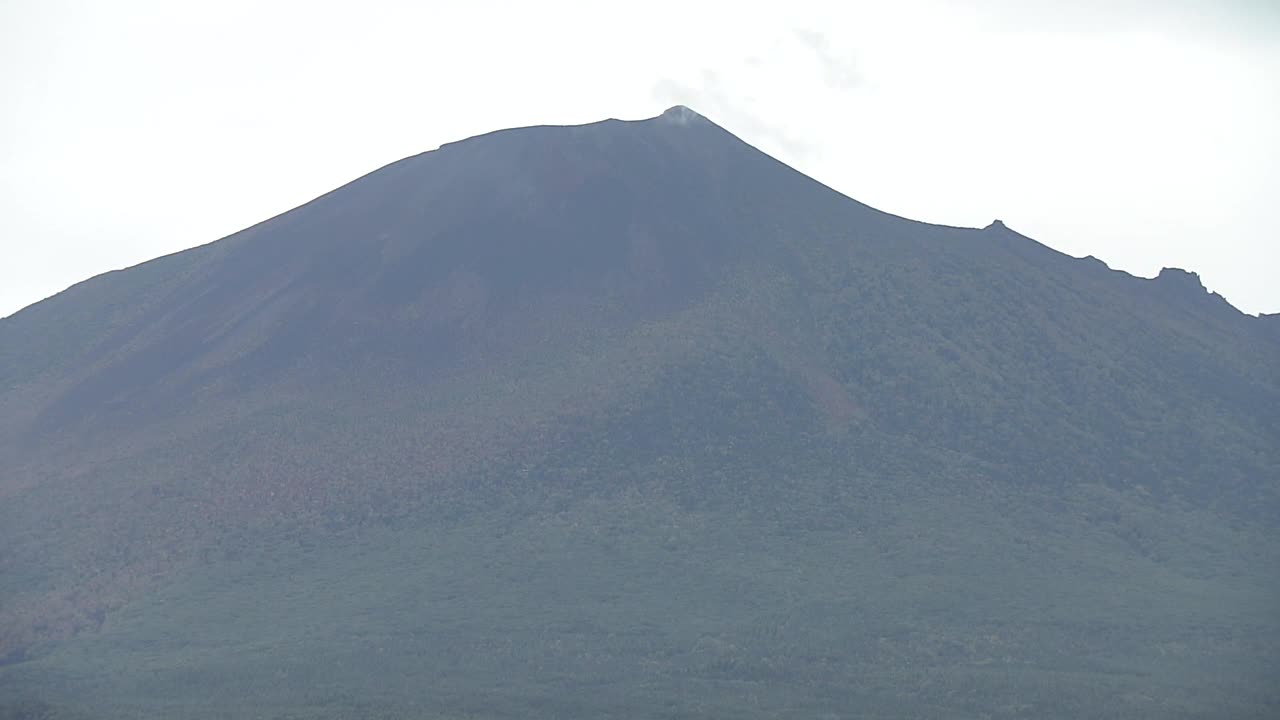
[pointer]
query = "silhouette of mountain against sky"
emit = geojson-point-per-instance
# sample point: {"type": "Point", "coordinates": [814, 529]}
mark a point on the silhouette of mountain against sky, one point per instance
{"type": "Point", "coordinates": [631, 419]}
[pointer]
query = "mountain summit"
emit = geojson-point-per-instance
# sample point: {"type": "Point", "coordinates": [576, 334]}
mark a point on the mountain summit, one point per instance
{"type": "Point", "coordinates": [682, 115]}
{"type": "Point", "coordinates": [630, 418]}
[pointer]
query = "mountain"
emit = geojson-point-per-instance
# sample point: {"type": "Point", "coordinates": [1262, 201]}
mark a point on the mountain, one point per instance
{"type": "Point", "coordinates": [630, 419]}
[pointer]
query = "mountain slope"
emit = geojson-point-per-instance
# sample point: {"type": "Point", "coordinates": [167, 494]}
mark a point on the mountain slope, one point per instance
{"type": "Point", "coordinates": [631, 418]}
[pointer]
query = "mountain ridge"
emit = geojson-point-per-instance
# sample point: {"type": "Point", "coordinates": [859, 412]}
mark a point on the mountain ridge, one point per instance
{"type": "Point", "coordinates": [676, 111]}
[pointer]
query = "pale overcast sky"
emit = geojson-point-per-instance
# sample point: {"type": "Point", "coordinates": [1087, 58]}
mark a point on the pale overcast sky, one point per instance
{"type": "Point", "coordinates": [1144, 133]}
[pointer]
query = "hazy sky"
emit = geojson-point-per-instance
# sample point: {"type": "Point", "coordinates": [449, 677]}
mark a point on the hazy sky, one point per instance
{"type": "Point", "coordinates": [1144, 133]}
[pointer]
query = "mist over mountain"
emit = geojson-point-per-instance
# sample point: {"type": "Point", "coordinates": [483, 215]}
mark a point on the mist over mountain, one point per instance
{"type": "Point", "coordinates": [631, 419]}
